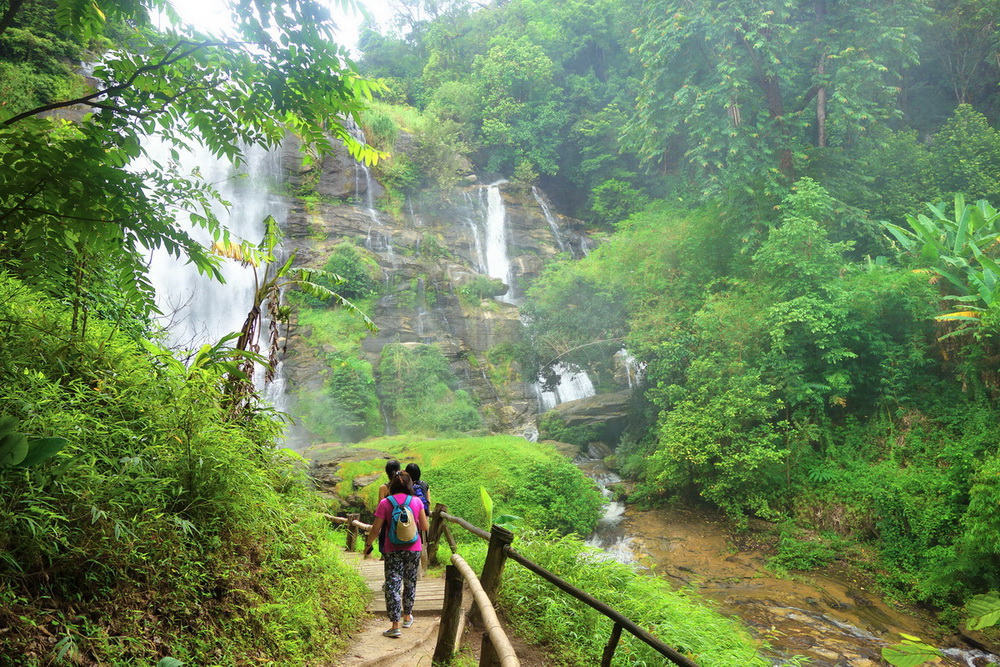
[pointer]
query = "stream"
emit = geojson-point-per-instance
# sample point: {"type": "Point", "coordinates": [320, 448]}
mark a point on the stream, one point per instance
{"type": "Point", "coordinates": [833, 617]}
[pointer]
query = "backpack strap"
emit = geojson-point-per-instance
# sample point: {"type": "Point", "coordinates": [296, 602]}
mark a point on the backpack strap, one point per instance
{"type": "Point", "coordinates": [394, 502]}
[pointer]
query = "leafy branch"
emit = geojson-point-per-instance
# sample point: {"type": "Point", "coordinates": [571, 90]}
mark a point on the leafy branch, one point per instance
{"type": "Point", "coordinates": [166, 61]}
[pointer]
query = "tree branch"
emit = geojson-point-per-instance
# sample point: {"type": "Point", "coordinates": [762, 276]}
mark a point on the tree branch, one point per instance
{"type": "Point", "coordinates": [167, 60]}
{"type": "Point", "coordinates": [21, 204]}
{"type": "Point", "coordinates": [8, 17]}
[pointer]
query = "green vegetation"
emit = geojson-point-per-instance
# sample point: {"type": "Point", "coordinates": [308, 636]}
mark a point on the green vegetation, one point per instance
{"type": "Point", "coordinates": [165, 526]}
{"type": "Point", "coordinates": [544, 615]}
{"type": "Point", "coordinates": [552, 427]}
{"type": "Point", "coordinates": [525, 479]}
{"type": "Point", "coordinates": [420, 392]}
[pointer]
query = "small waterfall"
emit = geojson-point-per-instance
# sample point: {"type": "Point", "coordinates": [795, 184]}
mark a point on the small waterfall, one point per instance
{"type": "Point", "coordinates": [609, 535]}
{"type": "Point", "coordinates": [549, 218]}
{"type": "Point", "coordinates": [573, 385]}
{"type": "Point", "coordinates": [361, 170]}
{"type": "Point", "coordinates": [472, 223]}
{"type": "Point", "coordinates": [634, 369]}
{"type": "Point", "coordinates": [414, 218]}
{"type": "Point", "coordinates": [497, 262]}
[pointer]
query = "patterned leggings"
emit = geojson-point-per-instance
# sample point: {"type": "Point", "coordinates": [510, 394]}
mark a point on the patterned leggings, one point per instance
{"type": "Point", "coordinates": [400, 569]}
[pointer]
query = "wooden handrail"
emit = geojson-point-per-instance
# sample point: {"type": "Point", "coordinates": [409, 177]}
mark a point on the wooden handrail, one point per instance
{"type": "Point", "coordinates": [343, 520]}
{"type": "Point", "coordinates": [602, 608]}
{"type": "Point", "coordinates": [620, 621]}
{"type": "Point", "coordinates": [495, 641]}
{"type": "Point", "coordinates": [502, 646]}
{"type": "Point", "coordinates": [475, 530]}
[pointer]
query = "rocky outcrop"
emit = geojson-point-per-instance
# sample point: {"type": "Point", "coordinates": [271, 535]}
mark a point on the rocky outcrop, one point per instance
{"type": "Point", "coordinates": [427, 254]}
{"type": "Point", "coordinates": [603, 409]}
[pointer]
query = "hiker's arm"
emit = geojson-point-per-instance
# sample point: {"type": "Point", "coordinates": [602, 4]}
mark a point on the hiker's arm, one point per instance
{"type": "Point", "coordinates": [422, 522]}
{"type": "Point", "coordinates": [372, 535]}
{"type": "Point", "coordinates": [383, 491]}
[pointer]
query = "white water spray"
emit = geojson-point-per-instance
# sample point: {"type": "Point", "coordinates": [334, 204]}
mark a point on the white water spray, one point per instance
{"type": "Point", "coordinates": [549, 218]}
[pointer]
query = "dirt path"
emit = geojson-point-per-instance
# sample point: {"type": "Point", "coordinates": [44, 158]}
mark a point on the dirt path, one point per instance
{"type": "Point", "coordinates": [416, 647]}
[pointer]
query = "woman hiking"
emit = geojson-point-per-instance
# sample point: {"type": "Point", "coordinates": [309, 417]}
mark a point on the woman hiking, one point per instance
{"type": "Point", "coordinates": [402, 561]}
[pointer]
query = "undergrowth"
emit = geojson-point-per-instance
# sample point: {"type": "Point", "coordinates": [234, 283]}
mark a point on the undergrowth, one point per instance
{"type": "Point", "coordinates": [166, 527]}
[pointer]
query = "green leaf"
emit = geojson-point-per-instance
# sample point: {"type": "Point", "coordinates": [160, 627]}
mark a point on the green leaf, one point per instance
{"type": "Point", "coordinates": [983, 610]}
{"type": "Point", "coordinates": [169, 662]}
{"type": "Point", "coordinates": [13, 449]}
{"type": "Point", "coordinates": [40, 449]}
{"type": "Point", "coordinates": [487, 504]}
{"type": "Point", "coordinates": [910, 652]}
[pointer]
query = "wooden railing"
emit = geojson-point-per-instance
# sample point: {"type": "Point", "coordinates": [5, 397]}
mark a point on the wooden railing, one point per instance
{"type": "Point", "coordinates": [496, 648]}
{"type": "Point", "coordinates": [500, 550]}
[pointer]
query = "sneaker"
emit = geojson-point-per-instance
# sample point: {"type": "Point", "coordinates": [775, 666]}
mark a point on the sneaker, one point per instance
{"type": "Point", "coordinates": [393, 632]}
{"type": "Point", "coordinates": [407, 624]}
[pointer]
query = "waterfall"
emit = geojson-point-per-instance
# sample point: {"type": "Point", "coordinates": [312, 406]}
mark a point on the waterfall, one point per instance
{"type": "Point", "coordinates": [497, 262]}
{"type": "Point", "coordinates": [549, 218]}
{"type": "Point", "coordinates": [609, 535]}
{"type": "Point", "coordinates": [634, 369]}
{"type": "Point", "coordinates": [196, 309]}
{"type": "Point", "coordinates": [574, 384]}
{"type": "Point", "coordinates": [477, 243]}
{"type": "Point", "coordinates": [361, 170]}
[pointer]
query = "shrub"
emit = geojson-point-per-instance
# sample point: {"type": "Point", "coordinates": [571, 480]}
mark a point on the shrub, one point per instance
{"type": "Point", "coordinates": [359, 270]}
{"type": "Point", "coordinates": [161, 500]}
{"type": "Point", "coordinates": [380, 129]}
{"type": "Point", "coordinates": [420, 391]}
{"type": "Point", "coordinates": [551, 426]}
{"type": "Point", "coordinates": [526, 479]}
{"type": "Point", "coordinates": [479, 288]}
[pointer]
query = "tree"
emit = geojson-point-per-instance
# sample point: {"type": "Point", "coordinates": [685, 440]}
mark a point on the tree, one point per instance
{"type": "Point", "coordinates": [78, 207]}
{"type": "Point", "coordinates": [738, 89]}
{"type": "Point", "coordinates": [522, 118]}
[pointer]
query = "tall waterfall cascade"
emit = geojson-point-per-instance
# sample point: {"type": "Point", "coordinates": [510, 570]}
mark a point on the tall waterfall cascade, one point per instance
{"type": "Point", "coordinates": [497, 260]}
{"type": "Point", "coordinates": [195, 308]}
{"type": "Point", "coordinates": [549, 218]}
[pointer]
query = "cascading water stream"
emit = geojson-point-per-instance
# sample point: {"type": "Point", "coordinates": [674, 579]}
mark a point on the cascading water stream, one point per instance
{"type": "Point", "coordinates": [361, 171]}
{"type": "Point", "coordinates": [479, 254]}
{"type": "Point", "coordinates": [549, 218]}
{"type": "Point", "coordinates": [573, 385]}
{"type": "Point", "coordinates": [608, 536]}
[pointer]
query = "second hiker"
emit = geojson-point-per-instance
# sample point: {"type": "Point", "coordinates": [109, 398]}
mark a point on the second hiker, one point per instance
{"type": "Point", "coordinates": [402, 512]}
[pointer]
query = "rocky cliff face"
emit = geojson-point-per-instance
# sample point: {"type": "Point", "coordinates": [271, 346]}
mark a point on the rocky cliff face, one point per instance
{"type": "Point", "coordinates": [440, 243]}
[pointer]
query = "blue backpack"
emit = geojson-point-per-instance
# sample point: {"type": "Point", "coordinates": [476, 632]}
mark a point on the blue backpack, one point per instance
{"type": "Point", "coordinates": [418, 491]}
{"type": "Point", "coordinates": [402, 524]}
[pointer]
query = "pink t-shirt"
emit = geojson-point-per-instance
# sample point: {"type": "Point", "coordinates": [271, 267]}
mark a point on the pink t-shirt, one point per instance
{"type": "Point", "coordinates": [384, 512]}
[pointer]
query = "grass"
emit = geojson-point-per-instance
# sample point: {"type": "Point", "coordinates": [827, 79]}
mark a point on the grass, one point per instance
{"type": "Point", "coordinates": [517, 474]}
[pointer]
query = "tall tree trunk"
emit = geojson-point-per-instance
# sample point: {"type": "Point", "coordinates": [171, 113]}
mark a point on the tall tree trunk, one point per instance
{"type": "Point", "coordinates": [821, 71]}
{"type": "Point", "coordinates": [821, 105]}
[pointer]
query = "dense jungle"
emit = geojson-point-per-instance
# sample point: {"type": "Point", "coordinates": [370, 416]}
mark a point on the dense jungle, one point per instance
{"type": "Point", "coordinates": [698, 295]}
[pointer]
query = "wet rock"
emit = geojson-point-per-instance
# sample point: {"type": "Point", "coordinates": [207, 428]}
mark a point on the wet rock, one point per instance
{"type": "Point", "coordinates": [364, 480]}
{"type": "Point", "coordinates": [599, 450]}
{"type": "Point", "coordinates": [600, 409]}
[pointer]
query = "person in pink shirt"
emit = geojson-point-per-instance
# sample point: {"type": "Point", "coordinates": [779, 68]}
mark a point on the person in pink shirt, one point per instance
{"type": "Point", "coordinates": [402, 561]}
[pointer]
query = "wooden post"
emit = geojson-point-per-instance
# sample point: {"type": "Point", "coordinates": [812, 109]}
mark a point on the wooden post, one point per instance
{"type": "Point", "coordinates": [488, 654]}
{"type": "Point", "coordinates": [451, 616]}
{"type": "Point", "coordinates": [609, 650]}
{"type": "Point", "coordinates": [493, 566]}
{"type": "Point", "coordinates": [352, 531]}
{"type": "Point", "coordinates": [434, 535]}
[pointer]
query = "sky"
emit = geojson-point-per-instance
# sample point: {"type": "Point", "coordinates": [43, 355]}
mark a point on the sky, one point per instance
{"type": "Point", "coordinates": [212, 15]}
